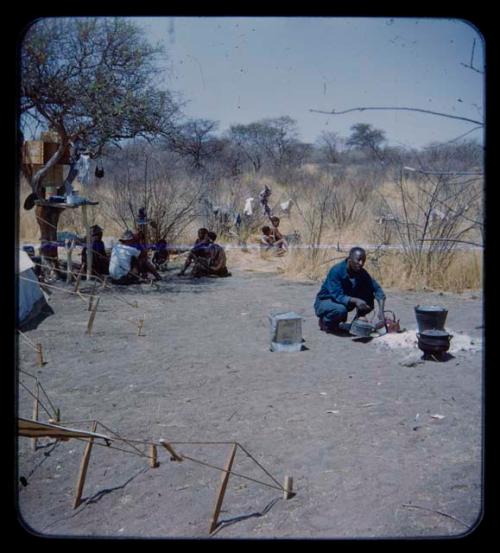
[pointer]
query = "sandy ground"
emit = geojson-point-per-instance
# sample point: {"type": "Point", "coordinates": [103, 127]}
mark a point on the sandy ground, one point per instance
{"type": "Point", "coordinates": [379, 442]}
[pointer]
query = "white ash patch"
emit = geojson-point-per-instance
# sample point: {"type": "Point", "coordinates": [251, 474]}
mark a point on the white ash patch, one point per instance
{"type": "Point", "coordinates": [408, 340]}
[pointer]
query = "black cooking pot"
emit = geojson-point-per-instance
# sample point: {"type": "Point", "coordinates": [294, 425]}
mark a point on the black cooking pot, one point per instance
{"type": "Point", "coordinates": [434, 341]}
{"type": "Point", "coordinates": [430, 316]}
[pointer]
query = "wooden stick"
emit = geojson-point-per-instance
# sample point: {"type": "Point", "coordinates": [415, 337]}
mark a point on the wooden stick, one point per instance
{"type": "Point", "coordinates": [90, 324]}
{"type": "Point", "coordinates": [153, 462]}
{"type": "Point", "coordinates": [141, 324]}
{"type": "Point", "coordinates": [83, 469]}
{"type": "Point", "coordinates": [41, 362]}
{"type": "Point", "coordinates": [69, 245]}
{"type": "Point", "coordinates": [288, 485]}
{"type": "Point", "coordinates": [222, 490]}
{"type": "Point", "coordinates": [34, 443]}
{"type": "Point", "coordinates": [78, 278]}
{"type": "Point", "coordinates": [92, 295]}
{"type": "Point", "coordinates": [170, 449]}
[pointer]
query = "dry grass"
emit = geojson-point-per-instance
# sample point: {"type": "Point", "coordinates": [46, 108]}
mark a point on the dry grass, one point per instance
{"type": "Point", "coordinates": [389, 267]}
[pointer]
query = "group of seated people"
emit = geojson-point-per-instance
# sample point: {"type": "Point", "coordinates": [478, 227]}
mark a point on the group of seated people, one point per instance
{"type": "Point", "coordinates": [129, 261]}
{"type": "Point", "coordinates": [207, 257]}
{"type": "Point", "coordinates": [272, 240]}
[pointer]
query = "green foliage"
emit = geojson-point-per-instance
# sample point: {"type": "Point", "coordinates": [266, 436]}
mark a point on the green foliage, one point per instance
{"type": "Point", "coordinates": [93, 78]}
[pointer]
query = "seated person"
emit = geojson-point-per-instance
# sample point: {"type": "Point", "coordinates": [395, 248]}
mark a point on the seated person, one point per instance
{"type": "Point", "coordinates": [279, 239]}
{"type": "Point", "coordinates": [200, 249]}
{"type": "Point", "coordinates": [214, 264]}
{"type": "Point", "coordinates": [218, 260]}
{"type": "Point", "coordinates": [347, 286]}
{"type": "Point", "coordinates": [124, 262]}
{"type": "Point", "coordinates": [100, 260]}
{"type": "Point", "coordinates": [161, 255]}
{"type": "Point", "coordinates": [144, 264]}
{"type": "Point", "coordinates": [268, 242]}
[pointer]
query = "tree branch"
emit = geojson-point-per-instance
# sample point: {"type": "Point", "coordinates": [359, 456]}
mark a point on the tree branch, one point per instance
{"type": "Point", "coordinates": [450, 240]}
{"type": "Point", "coordinates": [457, 173]}
{"type": "Point", "coordinates": [333, 112]}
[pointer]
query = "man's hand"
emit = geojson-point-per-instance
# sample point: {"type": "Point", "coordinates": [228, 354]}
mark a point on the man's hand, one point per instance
{"type": "Point", "coordinates": [360, 304]}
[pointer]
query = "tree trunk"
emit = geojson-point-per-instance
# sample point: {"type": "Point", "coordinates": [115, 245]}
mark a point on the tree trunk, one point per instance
{"type": "Point", "coordinates": [47, 218]}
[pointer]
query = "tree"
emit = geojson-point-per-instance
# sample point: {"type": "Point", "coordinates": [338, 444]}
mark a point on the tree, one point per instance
{"type": "Point", "coordinates": [247, 140]}
{"type": "Point", "coordinates": [195, 141]}
{"type": "Point", "coordinates": [365, 137]}
{"type": "Point", "coordinates": [92, 79]}
{"type": "Point", "coordinates": [271, 141]}
{"type": "Point", "coordinates": [328, 143]}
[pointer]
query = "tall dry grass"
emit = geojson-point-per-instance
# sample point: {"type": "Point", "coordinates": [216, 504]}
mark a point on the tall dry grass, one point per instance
{"type": "Point", "coordinates": [350, 219]}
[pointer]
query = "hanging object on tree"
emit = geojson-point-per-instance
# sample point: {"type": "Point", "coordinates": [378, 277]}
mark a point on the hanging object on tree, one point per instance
{"type": "Point", "coordinates": [99, 170]}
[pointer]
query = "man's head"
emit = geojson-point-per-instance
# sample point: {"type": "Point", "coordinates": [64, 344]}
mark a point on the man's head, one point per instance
{"type": "Point", "coordinates": [356, 259]}
{"type": "Point", "coordinates": [275, 220]}
{"type": "Point", "coordinates": [127, 237]}
{"type": "Point", "coordinates": [96, 232]}
{"type": "Point", "coordinates": [266, 230]}
{"type": "Point", "coordinates": [211, 235]}
{"type": "Point", "coordinates": [202, 233]}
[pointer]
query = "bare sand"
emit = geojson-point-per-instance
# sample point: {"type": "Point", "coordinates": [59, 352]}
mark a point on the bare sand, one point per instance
{"type": "Point", "coordinates": [379, 442]}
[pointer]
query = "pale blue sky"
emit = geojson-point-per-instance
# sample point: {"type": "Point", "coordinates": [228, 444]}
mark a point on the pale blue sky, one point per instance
{"type": "Point", "coordinates": [242, 69]}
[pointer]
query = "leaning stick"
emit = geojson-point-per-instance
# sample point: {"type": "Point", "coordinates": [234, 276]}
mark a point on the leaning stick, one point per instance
{"type": "Point", "coordinates": [222, 490]}
{"type": "Point", "coordinates": [35, 412]}
{"type": "Point", "coordinates": [171, 450]}
{"type": "Point", "coordinates": [83, 469]}
{"type": "Point", "coordinates": [90, 324]}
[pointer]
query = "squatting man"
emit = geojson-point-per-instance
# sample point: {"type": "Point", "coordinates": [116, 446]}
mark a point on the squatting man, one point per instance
{"type": "Point", "coordinates": [348, 286]}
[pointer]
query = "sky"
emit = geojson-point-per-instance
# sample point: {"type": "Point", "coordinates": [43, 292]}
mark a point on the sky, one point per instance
{"type": "Point", "coordinates": [238, 70]}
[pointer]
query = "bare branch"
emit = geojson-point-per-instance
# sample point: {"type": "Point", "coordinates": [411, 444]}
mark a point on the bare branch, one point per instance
{"type": "Point", "coordinates": [473, 68]}
{"type": "Point", "coordinates": [450, 240]}
{"type": "Point", "coordinates": [458, 173]}
{"type": "Point", "coordinates": [471, 65]}
{"type": "Point", "coordinates": [333, 112]}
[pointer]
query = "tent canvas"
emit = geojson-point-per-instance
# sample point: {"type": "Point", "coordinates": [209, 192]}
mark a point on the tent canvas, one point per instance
{"type": "Point", "coordinates": [32, 304]}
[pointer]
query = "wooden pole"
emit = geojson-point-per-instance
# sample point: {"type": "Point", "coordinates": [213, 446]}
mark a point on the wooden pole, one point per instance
{"type": "Point", "coordinates": [222, 490]}
{"type": "Point", "coordinates": [90, 324]}
{"type": "Point", "coordinates": [41, 362]}
{"type": "Point", "coordinates": [34, 443]}
{"type": "Point", "coordinates": [153, 461]}
{"type": "Point", "coordinates": [83, 469]}
{"type": "Point", "coordinates": [89, 241]}
{"type": "Point", "coordinates": [288, 488]}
